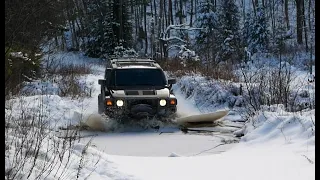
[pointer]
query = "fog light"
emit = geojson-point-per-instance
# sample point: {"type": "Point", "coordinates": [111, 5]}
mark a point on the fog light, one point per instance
{"type": "Point", "coordinates": [172, 101]}
{"type": "Point", "coordinates": [119, 103]}
{"type": "Point", "coordinates": [109, 102]}
{"type": "Point", "coordinates": [162, 102]}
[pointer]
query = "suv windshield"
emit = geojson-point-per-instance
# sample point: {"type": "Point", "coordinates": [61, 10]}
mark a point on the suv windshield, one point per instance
{"type": "Point", "coordinates": [138, 77]}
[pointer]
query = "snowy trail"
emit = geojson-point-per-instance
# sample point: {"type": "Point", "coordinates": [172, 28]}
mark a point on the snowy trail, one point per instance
{"type": "Point", "coordinates": [149, 144]}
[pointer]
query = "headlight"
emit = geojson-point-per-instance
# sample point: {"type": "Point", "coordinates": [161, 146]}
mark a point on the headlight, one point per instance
{"type": "Point", "coordinates": [162, 102]}
{"type": "Point", "coordinates": [119, 103]}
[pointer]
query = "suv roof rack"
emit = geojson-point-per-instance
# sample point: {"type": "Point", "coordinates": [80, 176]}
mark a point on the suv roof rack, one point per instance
{"type": "Point", "coordinates": [115, 63]}
{"type": "Point", "coordinates": [131, 59]}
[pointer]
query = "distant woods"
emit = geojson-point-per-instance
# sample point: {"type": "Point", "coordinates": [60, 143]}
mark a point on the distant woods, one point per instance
{"type": "Point", "coordinates": [224, 30]}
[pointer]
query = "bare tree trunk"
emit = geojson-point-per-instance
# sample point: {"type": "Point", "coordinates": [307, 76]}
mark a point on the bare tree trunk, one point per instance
{"type": "Point", "coordinates": [286, 14]}
{"type": "Point", "coordinates": [80, 21]}
{"type": "Point", "coordinates": [132, 6]}
{"type": "Point", "coordinates": [309, 15]}
{"type": "Point", "coordinates": [170, 12]}
{"type": "Point", "coordinates": [305, 29]}
{"type": "Point", "coordinates": [243, 9]}
{"type": "Point", "coordinates": [151, 9]}
{"type": "Point", "coordinates": [120, 20]}
{"type": "Point", "coordinates": [180, 16]}
{"type": "Point", "coordinates": [165, 13]}
{"type": "Point", "coordinates": [299, 13]}
{"type": "Point", "coordinates": [195, 8]}
{"type": "Point", "coordinates": [145, 29]}
{"type": "Point", "coordinates": [191, 13]}
{"type": "Point", "coordinates": [136, 19]}
{"type": "Point", "coordinates": [254, 7]}
{"type": "Point", "coordinates": [155, 12]}
{"type": "Point", "coordinates": [160, 29]}
{"type": "Point", "coordinates": [273, 19]}
{"type": "Point", "coordinates": [161, 16]}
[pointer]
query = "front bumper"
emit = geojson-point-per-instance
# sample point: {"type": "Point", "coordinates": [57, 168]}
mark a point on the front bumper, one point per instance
{"type": "Point", "coordinates": [140, 107]}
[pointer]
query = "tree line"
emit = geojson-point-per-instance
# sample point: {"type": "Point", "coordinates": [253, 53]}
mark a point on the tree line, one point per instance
{"type": "Point", "coordinates": [217, 30]}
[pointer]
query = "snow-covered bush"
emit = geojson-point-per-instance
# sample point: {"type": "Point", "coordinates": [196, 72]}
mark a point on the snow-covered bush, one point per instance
{"type": "Point", "coordinates": [210, 94]}
{"type": "Point", "coordinates": [273, 122]}
{"type": "Point", "coordinates": [33, 149]}
{"type": "Point", "coordinates": [120, 51]}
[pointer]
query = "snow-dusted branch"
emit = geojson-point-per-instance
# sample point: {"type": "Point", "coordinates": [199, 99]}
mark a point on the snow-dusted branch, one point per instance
{"type": "Point", "coordinates": [174, 46]}
{"type": "Point", "coordinates": [166, 38]}
{"type": "Point", "coordinates": [181, 27]}
{"type": "Point", "coordinates": [175, 37]}
{"type": "Point", "coordinates": [177, 27]}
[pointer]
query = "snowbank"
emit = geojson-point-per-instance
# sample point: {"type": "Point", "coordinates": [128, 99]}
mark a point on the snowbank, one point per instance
{"type": "Point", "coordinates": [209, 95]}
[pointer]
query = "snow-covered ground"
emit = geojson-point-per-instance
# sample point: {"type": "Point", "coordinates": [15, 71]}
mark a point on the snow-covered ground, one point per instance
{"type": "Point", "coordinates": [276, 145]}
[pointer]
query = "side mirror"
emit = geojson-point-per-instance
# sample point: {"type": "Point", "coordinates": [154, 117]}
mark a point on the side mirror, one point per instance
{"type": "Point", "coordinates": [172, 81]}
{"type": "Point", "coordinates": [107, 73]}
{"type": "Point", "coordinates": [102, 82]}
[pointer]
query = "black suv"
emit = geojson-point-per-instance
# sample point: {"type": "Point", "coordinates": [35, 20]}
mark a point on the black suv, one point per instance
{"type": "Point", "coordinates": [136, 88]}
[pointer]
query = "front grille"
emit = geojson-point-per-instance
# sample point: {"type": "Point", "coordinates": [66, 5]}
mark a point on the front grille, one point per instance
{"type": "Point", "coordinates": [148, 93]}
{"type": "Point", "coordinates": [131, 92]}
{"type": "Point", "coordinates": [151, 102]}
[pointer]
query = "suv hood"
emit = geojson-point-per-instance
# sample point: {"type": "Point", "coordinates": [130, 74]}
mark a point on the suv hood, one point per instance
{"type": "Point", "coordinates": [160, 93]}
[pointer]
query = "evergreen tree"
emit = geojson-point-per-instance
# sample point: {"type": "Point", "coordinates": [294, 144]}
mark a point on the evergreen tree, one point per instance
{"type": "Point", "coordinates": [257, 36]}
{"type": "Point", "coordinates": [27, 25]}
{"type": "Point", "coordinates": [246, 30]}
{"type": "Point", "coordinates": [122, 26]}
{"type": "Point", "coordinates": [205, 39]}
{"type": "Point", "coordinates": [228, 25]}
{"type": "Point", "coordinates": [108, 26]}
{"type": "Point", "coordinates": [101, 39]}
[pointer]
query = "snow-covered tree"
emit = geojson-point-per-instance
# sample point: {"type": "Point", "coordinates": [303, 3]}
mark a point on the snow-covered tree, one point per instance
{"type": "Point", "coordinates": [187, 54]}
{"type": "Point", "coordinates": [189, 57]}
{"type": "Point", "coordinates": [206, 44]}
{"type": "Point", "coordinates": [256, 32]}
{"type": "Point", "coordinates": [122, 26]}
{"type": "Point", "coordinates": [101, 38]}
{"type": "Point", "coordinates": [170, 39]}
{"type": "Point", "coordinates": [246, 29]}
{"type": "Point", "coordinates": [107, 27]}
{"type": "Point", "coordinates": [229, 34]}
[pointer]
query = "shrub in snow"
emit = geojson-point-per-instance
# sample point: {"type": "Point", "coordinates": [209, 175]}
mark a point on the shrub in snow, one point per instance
{"type": "Point", "coordinates": [20, 67]}
{"type": "Point", "coordinates": [120, 51]}
{"type": "Point", "coordinates": [268, 125]}
{"type": "Point", "coordinates": [40, 87]}
{"type": "Point", "coordinates": [34, 150]}
{"type": "Point", "coordinates": [209, 94]}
